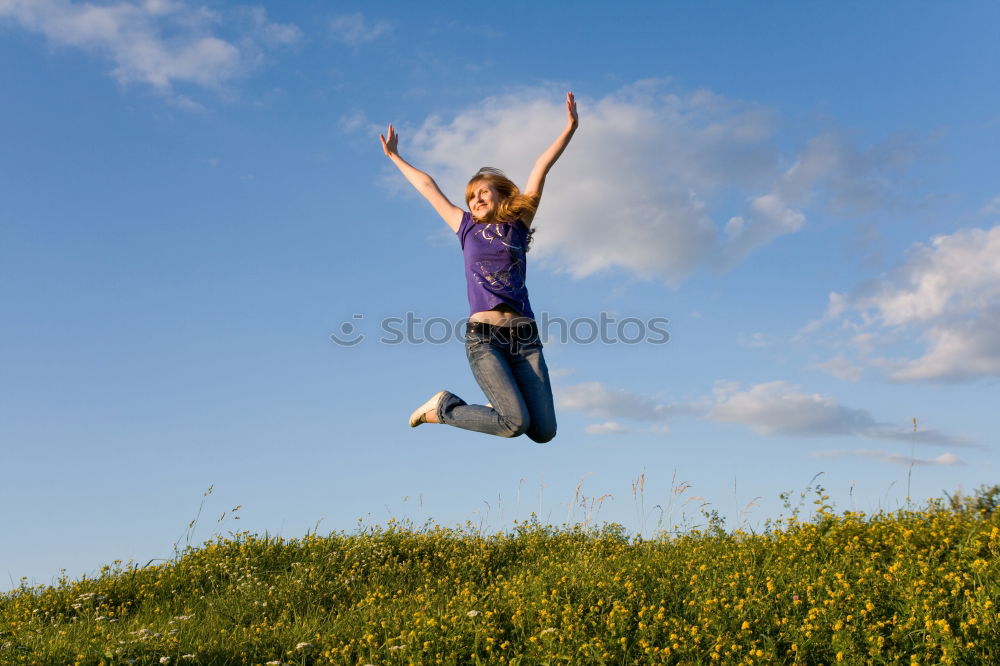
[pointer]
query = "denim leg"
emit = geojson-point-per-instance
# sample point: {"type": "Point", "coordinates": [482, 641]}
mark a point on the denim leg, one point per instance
{"type": "Point", "coordinates": [509, 416]}
{"type": "Point", "coordinates": [532, 376]}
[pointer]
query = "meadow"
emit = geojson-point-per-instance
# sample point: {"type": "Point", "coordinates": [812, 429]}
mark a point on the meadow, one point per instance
{"type": "Point", "coordinates": [912, 586]}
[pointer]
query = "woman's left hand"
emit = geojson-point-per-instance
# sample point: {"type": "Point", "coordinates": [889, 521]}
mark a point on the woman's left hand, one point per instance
{"type": "Point", "coordinates": [572, 118]}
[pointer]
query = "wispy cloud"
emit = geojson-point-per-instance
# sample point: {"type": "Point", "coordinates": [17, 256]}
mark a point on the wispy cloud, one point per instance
{"type": "Point", "coordinates": [774, 408]}
{"type": "Point", "coordinates": [657, 181]}
{"type": "Point", "coordinates": [752, 340]}
{"type": "Point", "coordinates": [842, 368]}
{"type": "Point", "coordinates": [353, 29]}
{"type": "Point", "coordinates": [359, 124]}
{"type": "Point", "coordinates": [268, 33]}
{"type": "Point", "coordinates": [946, 295]}
{"type": "Point", "coordinates": [161, 43]}
{"type": "Point", "coordinates": [606, 428]}
{"type": "Point", "coordinates": [845, 176]}
{"type": "Point", "coordinates": [943, 460]}
{"type": "Point", "coordinates": [780, 408]}
{"type": "Point", "coordinates": [598, 401]}
{"type": "Point", "coordinates": [993, 207]}
{"type": "Point", "coordinates": [615, 428]}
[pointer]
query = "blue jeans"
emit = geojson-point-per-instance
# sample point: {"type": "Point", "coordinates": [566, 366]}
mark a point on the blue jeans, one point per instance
{"type": "Point", "coordinates": [507, 362]}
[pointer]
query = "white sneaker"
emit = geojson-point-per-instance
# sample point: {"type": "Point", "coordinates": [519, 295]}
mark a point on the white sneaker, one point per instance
{"type": "Point", "coordinates": [417, 417]}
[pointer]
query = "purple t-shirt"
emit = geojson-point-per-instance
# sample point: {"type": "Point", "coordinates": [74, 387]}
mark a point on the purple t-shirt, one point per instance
{"type": "Point", "coordinates": [495, 264]}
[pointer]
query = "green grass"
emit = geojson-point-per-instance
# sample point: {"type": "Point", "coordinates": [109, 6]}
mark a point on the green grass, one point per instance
{"type": "Point", "coordinates": [912, 586]}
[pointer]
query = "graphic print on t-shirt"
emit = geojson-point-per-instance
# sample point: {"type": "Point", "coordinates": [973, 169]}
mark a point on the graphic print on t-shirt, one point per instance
{"type": "Point", "coordinates": [500, 273]}
{"type": "Point", "coordinates": [495, 264]}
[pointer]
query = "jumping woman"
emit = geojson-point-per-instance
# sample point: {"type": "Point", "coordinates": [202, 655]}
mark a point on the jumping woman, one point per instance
{"type": "Point", "coordinates": [501, 339]}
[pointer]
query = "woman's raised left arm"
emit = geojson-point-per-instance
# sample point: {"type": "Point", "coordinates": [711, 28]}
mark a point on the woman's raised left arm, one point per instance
{"type": "Point", "coordinates": [536, 181]}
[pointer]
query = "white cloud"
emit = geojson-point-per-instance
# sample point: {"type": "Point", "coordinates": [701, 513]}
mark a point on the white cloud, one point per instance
{"type": "Point", "coordinates": [955, 274]}
{"type": "Point", "coordinates": [770, 408]}
{"type": "Point", "coordinates": [649, 182]}
{"type": "Point", "coordinates": [606, 428]}
{"type": "Point", "coordinates": [945, 459]}
{"type": "Point", "coordinates": [956, 351]}
{"type": "Point", "coordinates": [946, 295]}
{"type": "Point", "coordinates": [353, 29]}
{"type": "Point", "coordinates": [779, 408]}
{"type": "Point", "coordinates": [157, 42]}
{"type": "Point", "coordinates": [598, 401]}
{"type": "Point", "coordinates": [993, 207]}
{"type": "Point", "coordinates": [842, 368]}
{"type": "Point", "coordinates": [272, 34]}
{"type": "Point", "coordinates": [853, 179]}
{"type": "Point", "coordinates": [358, 123]}
{"type": "Point", "coordinates": [752, 340]}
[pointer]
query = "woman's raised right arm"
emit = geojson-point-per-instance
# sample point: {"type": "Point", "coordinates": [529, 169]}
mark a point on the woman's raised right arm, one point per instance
{"type": "Point", "coordinates": [423, 183]}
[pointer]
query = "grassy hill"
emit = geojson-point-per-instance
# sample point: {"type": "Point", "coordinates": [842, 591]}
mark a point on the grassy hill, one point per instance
{"type": "Point", "coordinates": [913, 586]}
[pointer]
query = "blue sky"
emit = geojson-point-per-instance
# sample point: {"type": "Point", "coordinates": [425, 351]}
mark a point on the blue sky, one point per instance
{"type": "Point", "coordinates": [194, 200]}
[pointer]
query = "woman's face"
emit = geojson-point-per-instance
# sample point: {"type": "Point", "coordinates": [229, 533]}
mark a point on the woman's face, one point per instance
{"type": "Point", "coordinates": [484, 200]}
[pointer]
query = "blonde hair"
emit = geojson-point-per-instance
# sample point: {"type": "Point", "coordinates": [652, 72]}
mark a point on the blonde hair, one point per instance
{"type": "Point", "coordinates": [512, 204]}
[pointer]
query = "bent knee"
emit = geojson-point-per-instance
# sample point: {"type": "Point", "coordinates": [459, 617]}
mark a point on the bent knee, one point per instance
{"type": "Point", "coordinates": [543, 436]}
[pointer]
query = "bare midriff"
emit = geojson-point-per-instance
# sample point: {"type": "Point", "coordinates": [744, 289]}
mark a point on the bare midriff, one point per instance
{"type": "Point", "coordinates": [501, 315]}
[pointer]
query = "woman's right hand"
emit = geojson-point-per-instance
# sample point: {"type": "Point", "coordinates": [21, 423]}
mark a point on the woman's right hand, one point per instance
{"type": "Point", "coordinates": [389, 144]}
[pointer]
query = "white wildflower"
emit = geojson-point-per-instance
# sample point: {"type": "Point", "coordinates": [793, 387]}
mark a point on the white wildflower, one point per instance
{"type": "Point", "coordinates": [164, 660]}
{"type": "Point", "coordinates": [303, 646]}
{"type": "Point", "coordinates": [472, 613]}
{"type": "Point", "coordinates": [547, 631]}
{"type": "Point", "coordinates": [188, 656]}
